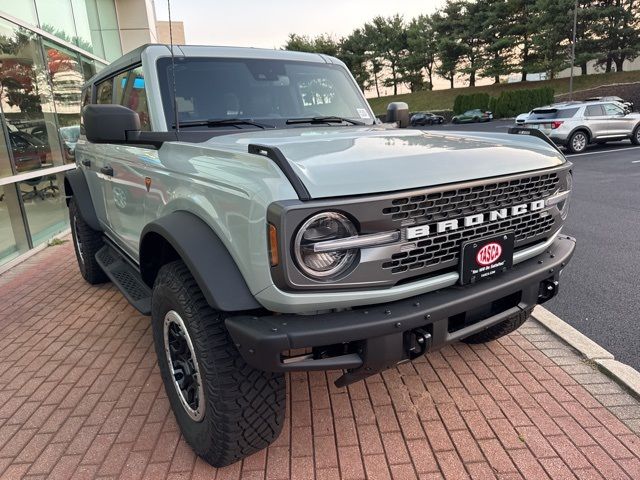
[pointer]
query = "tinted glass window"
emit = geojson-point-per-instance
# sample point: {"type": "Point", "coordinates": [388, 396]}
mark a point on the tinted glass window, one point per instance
{"type": "Point", "coordinates": [105, 92]}
{"type": "Point", "coordinates": [553, 113]}
{"type": "Point", "coordinates": [268, 90]}
{"type": "Point", "coordinates": [613, 109]}
{"type": "Point", "coordinates": [594, 111]}
{"type": "Point", "coordinates": [134, 96]}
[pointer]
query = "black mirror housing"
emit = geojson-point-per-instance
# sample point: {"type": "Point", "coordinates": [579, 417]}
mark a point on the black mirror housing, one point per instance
{"type": "Point", "coordinates": [109, 123]}
{"type": "Point", "coordinates": [398, 112]}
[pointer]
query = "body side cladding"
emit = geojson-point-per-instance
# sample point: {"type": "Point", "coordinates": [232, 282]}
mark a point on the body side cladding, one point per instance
{"type": "Point", "coordinates": [205, 255]}
{"type": "Point", "coordinates": [75, 185]}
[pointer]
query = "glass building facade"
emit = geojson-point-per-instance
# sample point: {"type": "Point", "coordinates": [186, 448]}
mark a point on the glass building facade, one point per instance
{"type": "Point", "coordinates": [48, 49]}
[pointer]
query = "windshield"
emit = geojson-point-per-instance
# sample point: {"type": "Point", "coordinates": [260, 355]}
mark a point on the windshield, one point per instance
{"type": "Point", "coordinates": [266, 91]}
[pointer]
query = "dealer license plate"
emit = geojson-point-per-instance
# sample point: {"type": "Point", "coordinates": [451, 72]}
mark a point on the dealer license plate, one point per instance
{"type": "Point", "coordinates": [486, 257]}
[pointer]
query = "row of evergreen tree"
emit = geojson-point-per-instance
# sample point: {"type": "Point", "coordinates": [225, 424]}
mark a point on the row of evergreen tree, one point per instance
{"type": "Point", "coordinates": [468, 39]}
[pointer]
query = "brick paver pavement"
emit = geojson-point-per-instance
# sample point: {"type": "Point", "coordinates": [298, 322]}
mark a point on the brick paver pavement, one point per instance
{"type": "Point", "coordinates": [80, 395]}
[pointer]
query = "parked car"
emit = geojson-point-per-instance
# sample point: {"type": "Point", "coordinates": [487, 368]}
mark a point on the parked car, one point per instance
{"type": "Point", "coordinates": [299, 235]}
{"type": "Point", "coordinates": [426, 118]}
{"type": "Point", "coordinates": [627, 105]}
{"type": "Point", "coordinates": [470, 116]}
{"type": "Point", "coordinates": [520, 119]}
{"type": "Point", "coordinates": [29, 152]}
{"type": "Point", "coordinates": [576, 125]}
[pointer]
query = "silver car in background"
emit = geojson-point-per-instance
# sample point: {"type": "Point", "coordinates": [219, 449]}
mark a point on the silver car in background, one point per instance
{"type": "Point", "coordinates": [575, 125]}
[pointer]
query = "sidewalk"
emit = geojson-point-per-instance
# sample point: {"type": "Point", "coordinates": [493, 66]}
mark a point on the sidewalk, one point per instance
{"type": "Point", "coordinates": [80, 396]}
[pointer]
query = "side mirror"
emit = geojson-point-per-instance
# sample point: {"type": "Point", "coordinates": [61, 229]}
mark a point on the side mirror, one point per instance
{"type": "Point", "coordinates": [109, 123]}
{"type": "Point", "coordinates": [398, 112]}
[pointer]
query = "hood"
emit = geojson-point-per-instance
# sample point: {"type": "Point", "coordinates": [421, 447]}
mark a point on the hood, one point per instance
{"type": "Point", "coordinates": [342, 161]}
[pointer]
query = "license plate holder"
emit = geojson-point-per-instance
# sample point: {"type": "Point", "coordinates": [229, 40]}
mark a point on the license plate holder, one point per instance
{"type": "Point", "coordinates": [486, 257]}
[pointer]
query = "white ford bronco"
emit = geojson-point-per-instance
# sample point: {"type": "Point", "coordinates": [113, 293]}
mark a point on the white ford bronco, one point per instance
{"type": "Point", "coordinates": [251, 204]}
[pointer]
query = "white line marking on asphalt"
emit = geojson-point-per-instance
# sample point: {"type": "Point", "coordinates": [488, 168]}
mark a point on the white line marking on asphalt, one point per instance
{"type": "Point", "coordinates": [603, 151]}
{"type": "Point", "coordinates": [636, 161]}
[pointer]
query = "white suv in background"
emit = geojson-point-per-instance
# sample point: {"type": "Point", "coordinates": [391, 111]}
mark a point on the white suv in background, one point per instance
{"type": "Point", "coordinates": [576, 124]}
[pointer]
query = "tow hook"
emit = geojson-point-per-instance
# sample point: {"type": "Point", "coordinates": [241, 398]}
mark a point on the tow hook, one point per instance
{"type": "Point", "coordinates": [420, 341]}
{"type": "Point", "coordinates": [548, 290]}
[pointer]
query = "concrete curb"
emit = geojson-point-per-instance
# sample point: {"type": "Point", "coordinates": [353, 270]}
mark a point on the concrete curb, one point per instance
{"type": "Point", "coordinates": [626, 376]}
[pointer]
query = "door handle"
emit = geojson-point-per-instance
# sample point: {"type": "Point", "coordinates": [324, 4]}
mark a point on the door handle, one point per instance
{"type": "Point", "coordinates": [107, 170]}
{"type": "Point", "coordinates": [86, 163]}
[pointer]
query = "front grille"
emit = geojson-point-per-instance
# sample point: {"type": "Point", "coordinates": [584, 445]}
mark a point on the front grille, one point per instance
{"type": "Point", "coordinates": [465, 201]}
{"type": "Point", "coordinates": [443, 250]}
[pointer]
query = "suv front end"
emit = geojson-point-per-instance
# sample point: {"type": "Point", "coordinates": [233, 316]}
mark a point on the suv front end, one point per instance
{"type": "Point", "coordinates": [364, 283]}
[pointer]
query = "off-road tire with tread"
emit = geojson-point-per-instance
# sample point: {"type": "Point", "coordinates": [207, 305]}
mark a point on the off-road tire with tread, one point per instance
{"type": "Point", "coordinates": [244, 407]}
{"type": "Point", "coordinates": [91, 241]}
{"type": "Point", "coordinates": [501, 329]}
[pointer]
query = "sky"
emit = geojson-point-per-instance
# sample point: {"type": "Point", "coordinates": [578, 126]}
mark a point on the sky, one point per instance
{"type": "Point", "coordinates": [267, 23]}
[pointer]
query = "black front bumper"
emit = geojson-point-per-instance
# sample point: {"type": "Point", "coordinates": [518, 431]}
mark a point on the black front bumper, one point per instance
{"type": "Point", "coordinates": [369, 339]}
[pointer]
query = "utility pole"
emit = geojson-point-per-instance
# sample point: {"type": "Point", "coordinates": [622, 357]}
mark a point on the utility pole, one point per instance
{"type": "Point", "coordinates": [573, 48]}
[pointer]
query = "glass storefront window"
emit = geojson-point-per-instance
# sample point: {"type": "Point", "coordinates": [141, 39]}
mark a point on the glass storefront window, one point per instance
{"type": "Point", "coordinates": [112, 46]}
{"type": "Point", "coordinates": [88, 67]}
{"type": "Point", "coordinates": [67, 78]}
{"type": "Point", "coordinates": [13, 237]}
{"type": "Point", "coordinates": [22, 9]}
{"type": "Point", "coordinates": [45, 207]}
{"type": "Point", "coordinates": [27, 100]}
{"type": "Point", "coordinates": [56, 17]}
{"type": "Point", "coordinates": [5, 161]}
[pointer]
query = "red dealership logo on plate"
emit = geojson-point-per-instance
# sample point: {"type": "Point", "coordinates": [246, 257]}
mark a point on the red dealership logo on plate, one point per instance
{"type": "Point", "coordinates": [489, 254]}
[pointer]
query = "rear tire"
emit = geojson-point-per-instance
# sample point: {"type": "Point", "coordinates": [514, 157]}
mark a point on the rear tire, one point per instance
{"type": "Point", "coordinates": [226, 409]}
{"type": "Point", "coordinates": [501, 329]}
{"type": "Point", "coordinates": [86, 242]}
{"type": "Point", "coordinates": [578, 142]}
{"type": "Point", "coordinates": [635, 137]}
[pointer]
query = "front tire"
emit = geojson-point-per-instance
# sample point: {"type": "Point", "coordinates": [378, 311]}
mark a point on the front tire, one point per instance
{"type": "Point", "coordinates": [86, 242]}
{"type": "Point", "coordinates": [226, 409]}
{"type": "Point", "coordinates": [578, 142]}
{"type": "Point", "coordinates": [499, 330]}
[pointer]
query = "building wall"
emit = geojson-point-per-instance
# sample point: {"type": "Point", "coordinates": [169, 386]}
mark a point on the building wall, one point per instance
{"type": "Point", "coordinates": [162, 29]}
{"type": "Point", "coordinates": [48, 49]}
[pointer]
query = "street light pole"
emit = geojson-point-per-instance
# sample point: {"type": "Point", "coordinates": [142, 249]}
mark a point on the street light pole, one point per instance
{"type": "Point", "coordinates": [573, 48]}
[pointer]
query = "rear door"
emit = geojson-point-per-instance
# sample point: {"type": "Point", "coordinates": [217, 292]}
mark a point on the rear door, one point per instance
{"type": "Point", "coordinates": [597, 121]}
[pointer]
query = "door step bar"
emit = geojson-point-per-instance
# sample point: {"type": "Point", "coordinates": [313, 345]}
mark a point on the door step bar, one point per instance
{"type": "Point", "coordinates": [126, 278]}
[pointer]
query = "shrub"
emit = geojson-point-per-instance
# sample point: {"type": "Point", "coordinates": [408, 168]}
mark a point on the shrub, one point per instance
{"type": "Point", "coordinates": [508, 104]}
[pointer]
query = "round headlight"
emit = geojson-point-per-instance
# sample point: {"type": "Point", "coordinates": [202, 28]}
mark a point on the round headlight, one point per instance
{"type": "Point", "coordinates": [324, 227]}
{"type": "Point", "coordinates": [564, 206]}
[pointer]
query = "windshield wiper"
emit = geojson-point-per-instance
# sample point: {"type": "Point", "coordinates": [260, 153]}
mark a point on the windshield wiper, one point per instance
{"type": "Point", "coordinates": [234, 122]}
{"type": "Point", "coordinates": [327, 119]}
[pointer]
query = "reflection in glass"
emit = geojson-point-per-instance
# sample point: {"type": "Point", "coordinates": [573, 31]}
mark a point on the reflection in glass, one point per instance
{"type": "Point", "coordinates": [67, 78]}
{"type": "Point", "coordinates": [45, 207]}
{"type": "Point", "coordinates": [5, 161]}
{"type": "Point", "coordinates": [13, 237]}
{"type": "Point", "coordinates": [88, 67]}
{"type": "Point", "coordinates": [56, 17]}
{"type": "Point", "coordinates": [112, 46]}
{"type": "Point", "coordinates": [22, 9]}
{"type": "Point", "coordinates": [27, 101]}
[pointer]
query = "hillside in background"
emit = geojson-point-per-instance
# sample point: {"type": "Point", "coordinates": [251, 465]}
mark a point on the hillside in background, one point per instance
{"type": "Point", "coordinates": [443, 99]}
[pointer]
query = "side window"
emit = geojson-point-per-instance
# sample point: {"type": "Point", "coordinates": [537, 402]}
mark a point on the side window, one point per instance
{"type": "Point", "coordinates": [135, 97]}
{"type": "Point", "coordinates": [105, 92]}
{"type": "Point", "coordinates": [612, 109]}
{"type": "Point", "coordinates": [120, 83]}
{"type": "Point", "coordinates": [594, 111]}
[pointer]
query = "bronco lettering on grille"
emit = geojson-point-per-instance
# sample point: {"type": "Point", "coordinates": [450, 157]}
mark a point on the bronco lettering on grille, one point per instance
{"type": "Point", "coordinates": [473, 220]}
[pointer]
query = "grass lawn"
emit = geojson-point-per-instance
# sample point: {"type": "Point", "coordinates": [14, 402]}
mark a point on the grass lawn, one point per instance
{"type": "Point", "coordinates": [443, 99]}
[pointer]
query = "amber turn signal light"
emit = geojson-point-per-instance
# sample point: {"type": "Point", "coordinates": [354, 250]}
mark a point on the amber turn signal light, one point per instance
{"type": "Point", "coordinates": [272, 233]}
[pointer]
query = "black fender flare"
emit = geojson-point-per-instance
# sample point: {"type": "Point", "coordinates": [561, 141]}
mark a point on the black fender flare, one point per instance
{"type": "Point", "coordinates": [75, 185]}
{"type": "Point", "coordinates": [204, 254]}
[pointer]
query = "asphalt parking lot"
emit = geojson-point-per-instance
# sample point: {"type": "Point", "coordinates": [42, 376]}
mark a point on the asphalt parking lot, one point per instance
{"type": "Point", "coordinates": [599, 290]}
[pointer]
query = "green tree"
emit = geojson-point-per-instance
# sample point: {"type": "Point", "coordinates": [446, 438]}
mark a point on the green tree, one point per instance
{"type": "Point", "coordinates": [353, 52]}
{"type": "Point", "coordinates": [320, 44]}
{"type": "Point", "coordinates": [450, 51]}
{"type": "Point", "coordinates": [500, 36]}
{"type": "Point", "coordinates": [388, 41]}
{"type": "Point", "coordinates": [554, 24]}
{"type": "Point", "coordinates": [470, 30]}
{"type": "Point", "coordinates": [617, 31]}
{"type": "Point", "coordinates": [422, 48]}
